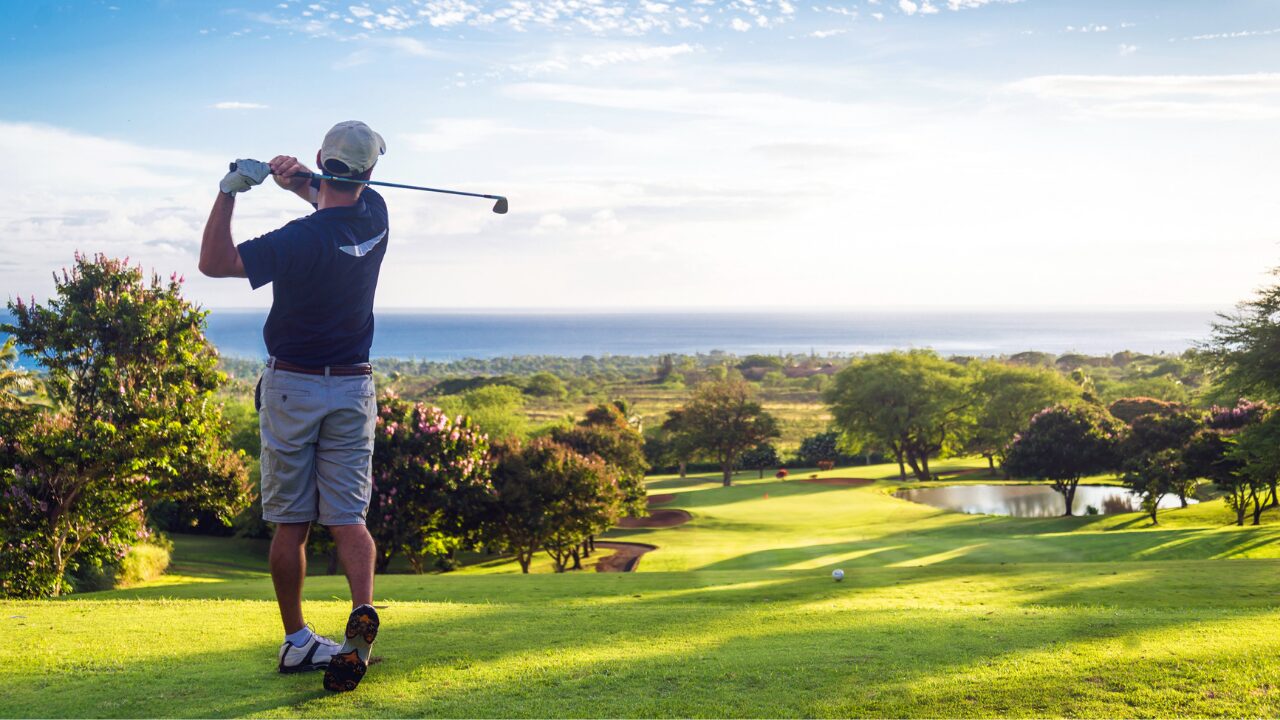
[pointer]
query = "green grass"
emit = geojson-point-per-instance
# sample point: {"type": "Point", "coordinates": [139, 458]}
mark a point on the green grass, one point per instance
{"type": "Point", "coordinates": [735, 615]}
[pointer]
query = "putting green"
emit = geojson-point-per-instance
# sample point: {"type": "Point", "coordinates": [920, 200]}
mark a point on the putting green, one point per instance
{"type": "Point", "coordinates": [734, 615]}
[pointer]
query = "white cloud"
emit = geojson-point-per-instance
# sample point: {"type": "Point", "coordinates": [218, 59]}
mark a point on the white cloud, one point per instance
{"type": "Point", "coordinates": [602, 57]}
{"type": "Point", "coordinates": [448, 134]}
{"type": "Point", "coordinates": [753, 107]}
{"type": "Point", "coordinates": [1234, 35]}
{"type": "Point", "coordinates": [1125, 49]}
{"type": "Point", "coordinates": [1222, 97]}
{"type": "Point", "coordinates": [1121, 87]}
{"type": "Point", "coordinates": [636, 54]}
{"type": "Point", "coordinates": [828, 33]}
{"type": "Point", "coordinates": [151, 206]}
{"type": "Point", "coordinates": [410, 46]}
{"type": "Point", "coordinates": [550, 223]}
{"type": "Point", "coordinates": [236, 105]}
{"type": "Point", "coordinates": [632, 18]}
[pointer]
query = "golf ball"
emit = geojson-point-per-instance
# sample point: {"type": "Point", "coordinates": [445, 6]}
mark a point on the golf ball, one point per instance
{"type": "Point", "coordinates": [837, 574]}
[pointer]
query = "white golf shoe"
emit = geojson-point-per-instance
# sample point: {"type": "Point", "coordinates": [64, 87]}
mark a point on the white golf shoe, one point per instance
{"type": "Point", "coordinates": [314, 654]}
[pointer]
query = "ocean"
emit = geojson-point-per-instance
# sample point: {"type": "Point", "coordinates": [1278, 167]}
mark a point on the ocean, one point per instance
{"type": "Point", "coordinates": [457, 335]}
{"type": "Point", "coordinates": [453, 335]}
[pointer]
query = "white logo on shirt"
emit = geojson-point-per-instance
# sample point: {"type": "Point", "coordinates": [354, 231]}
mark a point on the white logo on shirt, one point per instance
{"type": "Point", "coordinates": [363, 248]}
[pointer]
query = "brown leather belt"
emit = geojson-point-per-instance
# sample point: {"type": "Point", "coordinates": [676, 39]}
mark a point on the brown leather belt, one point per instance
{"type": "Point", "coordinates": [331, 370]}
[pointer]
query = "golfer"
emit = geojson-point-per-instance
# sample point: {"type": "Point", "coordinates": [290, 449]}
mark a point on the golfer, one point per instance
{"type": "Point", "coordinates": [315, 398]}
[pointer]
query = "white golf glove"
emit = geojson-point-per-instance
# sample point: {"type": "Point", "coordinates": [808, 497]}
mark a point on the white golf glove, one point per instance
{"type": "Point", "coordinates": [246, 174]}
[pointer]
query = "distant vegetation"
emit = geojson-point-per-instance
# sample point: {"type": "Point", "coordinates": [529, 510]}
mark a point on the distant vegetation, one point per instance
{"type": "Point", "coordinates": [131, 429]}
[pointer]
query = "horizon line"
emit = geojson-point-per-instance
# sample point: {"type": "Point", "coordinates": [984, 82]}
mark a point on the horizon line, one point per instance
{"type": "Point", "coordinates": [771, 310]}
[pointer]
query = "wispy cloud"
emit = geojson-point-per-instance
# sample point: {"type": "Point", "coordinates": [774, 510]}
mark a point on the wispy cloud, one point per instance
{"type": "Point", "coordinates": [1224, 97]}
{"type": "Point", "coordinates": [446, 134]}
{"type": "Point", "coordinates": [237, 105]}
{"type": "Point", "coordinates": [592, 17]}
{"type": "Point", "coordinates": [601, 57]}
{"type": "Point", "coordinates": [1232, 35]}
{"type": "Point", "coordinates": [150, 207]}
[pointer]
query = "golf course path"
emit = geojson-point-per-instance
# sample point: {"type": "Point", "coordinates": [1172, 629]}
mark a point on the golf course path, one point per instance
{"type": "Point", "coordinates": [625, 558]}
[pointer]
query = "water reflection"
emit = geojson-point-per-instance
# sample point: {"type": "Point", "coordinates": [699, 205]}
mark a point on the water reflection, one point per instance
{"type": "Point", "coordinates": [1029, 500]}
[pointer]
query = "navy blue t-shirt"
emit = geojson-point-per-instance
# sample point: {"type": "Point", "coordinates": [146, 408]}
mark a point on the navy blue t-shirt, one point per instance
{"type": "Point", "coordinates": [324, 270]}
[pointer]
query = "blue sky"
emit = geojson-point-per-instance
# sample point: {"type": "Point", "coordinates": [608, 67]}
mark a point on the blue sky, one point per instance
{"type": "Point", "coordinates": [712, 154]}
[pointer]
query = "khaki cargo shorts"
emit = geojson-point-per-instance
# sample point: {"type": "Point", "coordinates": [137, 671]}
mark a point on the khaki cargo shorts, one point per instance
{"type": "Point", "coordinates": [317, 447]}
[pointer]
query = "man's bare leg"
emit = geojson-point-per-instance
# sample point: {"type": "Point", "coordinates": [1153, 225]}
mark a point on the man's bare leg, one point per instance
{"type": "Point", "coordinates": [288, 570]}
{"type": "Point", "coordinates": [356, 553]}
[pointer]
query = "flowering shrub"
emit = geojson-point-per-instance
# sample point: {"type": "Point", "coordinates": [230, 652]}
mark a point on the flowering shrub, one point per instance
{"type": "Point", "coordinates": [1245, 412]}
{"type": "Point", "coordinates": [133, 421]}
{"type": "Point", "coordinates": [431, 485]}
{"type": "Point", "coordinates": [1064, 444]}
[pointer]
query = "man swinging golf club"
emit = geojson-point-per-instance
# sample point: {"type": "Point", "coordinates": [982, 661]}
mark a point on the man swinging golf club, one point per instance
{"type": "Point", "coordinates": [315, 398]}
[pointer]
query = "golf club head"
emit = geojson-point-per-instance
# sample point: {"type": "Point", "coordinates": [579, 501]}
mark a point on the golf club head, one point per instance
{"type": "Point", "coordinates": [500, 207]}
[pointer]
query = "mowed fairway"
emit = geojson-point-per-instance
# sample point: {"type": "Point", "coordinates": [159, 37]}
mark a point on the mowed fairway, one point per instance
{"type": "Point", "coordinates": [735, 614]}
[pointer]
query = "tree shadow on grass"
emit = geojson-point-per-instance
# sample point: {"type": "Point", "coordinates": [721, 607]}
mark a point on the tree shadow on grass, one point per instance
{"type": "Point", "coordinates": [678, 644]}
{"type": "Point", "coordinates": [960, 544]}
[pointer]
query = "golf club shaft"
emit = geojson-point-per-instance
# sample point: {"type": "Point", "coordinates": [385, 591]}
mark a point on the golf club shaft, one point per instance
{"type": "Point", "coordinates": [320, 176]}
{"type": "Point", "coordinates": [500, 207]}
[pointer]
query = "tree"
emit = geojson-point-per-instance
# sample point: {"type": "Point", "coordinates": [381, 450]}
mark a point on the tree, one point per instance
{"type": "Point", "coordinates": [606, 433]}
{"type": "Point", "coordinates": [495, 409]}
{"type": "Point", "coordinates": [760, 458]}
{"type": "Point", "coordinates": [820, 448]}
{"type": "Point", "coordinates": [1257, 452]}
{"type": "Point", "coordinates": [722, 420]}
{"type": "Point", "coordinates": [131, 379]}
{"type": "Point", "coordinates": [1154, 475]}
{"type": "Point", "coordinates": [1153, 458]}
{"type": "Point", "coordinates": [430, 485]}
{"type": "Point", "coordinates": [666, 366]}
{"type": "Point", "coordinates": [1063, 444]}
{"type": "Point", "coordinates": [546, 496]}
{"type": "Point", "coordinates": [13, 380]}
{"type": "Point", "coordinates": [664, 447]}
{"type": "Point", "coordinates": [1210, 455]}
{"type": "Point", "coordinates": [914, 403]}
{"type": "Point", "coordinates": [1131, 408]}
{"type": "Point", "coordinates": [1006, 397]}
{"type": "Point", "coordinates": [545, 384]}
{"type": "Point", "coordinates": [1245, 346]}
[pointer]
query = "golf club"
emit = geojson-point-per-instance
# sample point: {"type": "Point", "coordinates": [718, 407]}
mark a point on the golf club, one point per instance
{"type": "Point", "coordinates": [499, 207]}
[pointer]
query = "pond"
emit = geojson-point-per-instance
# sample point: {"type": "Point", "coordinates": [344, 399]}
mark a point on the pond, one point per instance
{"type": "Point", "coordinates": [1029, 500]}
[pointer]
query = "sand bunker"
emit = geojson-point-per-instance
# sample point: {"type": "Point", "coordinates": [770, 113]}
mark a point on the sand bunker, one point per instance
{"type": "Point", "coordinates": [657, 519]}
{"type": "Point", "coordinates": [842, 482]}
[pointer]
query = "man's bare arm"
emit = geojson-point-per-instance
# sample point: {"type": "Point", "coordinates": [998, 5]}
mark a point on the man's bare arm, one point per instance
{"type": "Point", "coordinates": [293, 176]}
{"type": "Point", "coordinates": [218, 255]}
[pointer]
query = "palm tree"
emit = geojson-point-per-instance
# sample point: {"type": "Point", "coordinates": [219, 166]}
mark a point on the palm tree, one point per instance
{"type": "Point", "coordinates": [11, 377]}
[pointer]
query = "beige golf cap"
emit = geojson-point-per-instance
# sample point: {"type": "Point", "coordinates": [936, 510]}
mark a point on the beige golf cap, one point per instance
{"type": "Point", "coordinates": [350, 148]}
